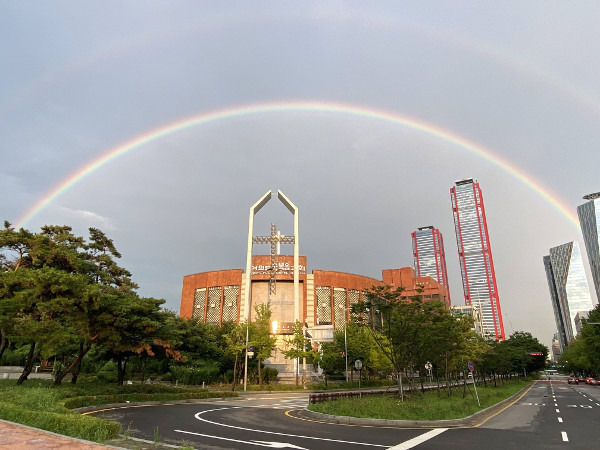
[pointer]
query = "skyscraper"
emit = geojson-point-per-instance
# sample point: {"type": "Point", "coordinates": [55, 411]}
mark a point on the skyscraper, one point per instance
{"type": "Point", "coordinates": [429, 255]}
{"type": "Point", "coordinates": [569, 289]}
{"type": "Point", "coordinates": [589, 218]}
{"type": "Point", "coordinates": [475, 255]}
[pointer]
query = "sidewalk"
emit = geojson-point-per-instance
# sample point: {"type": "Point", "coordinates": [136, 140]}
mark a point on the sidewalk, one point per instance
{"type": "Point", "coordinates": [21, 437]}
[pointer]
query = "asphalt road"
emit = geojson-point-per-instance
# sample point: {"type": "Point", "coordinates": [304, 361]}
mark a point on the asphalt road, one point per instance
{"type": "Point", "coordinates": [551, 415]}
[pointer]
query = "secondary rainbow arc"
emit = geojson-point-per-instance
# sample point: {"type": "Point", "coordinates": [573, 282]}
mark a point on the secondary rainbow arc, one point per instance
{"type": "Point", "coordinates": [294, 106]}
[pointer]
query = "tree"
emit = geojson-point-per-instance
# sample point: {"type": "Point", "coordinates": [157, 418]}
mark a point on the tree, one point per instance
{"type": "Point", "coordinates": [132, 325]}
{"type": "Point", "coordinates": [521, 345]}
{"type": "Point", "coordinates": [236, 344]}
{"type": "Point", "coordinates": [298, 346]}
{"type": "Point", "coordinates": [590, 335]}
{"type": "Point", "coordinates": [46, 297]}
{"type": "Point", "coordinates": [15, 247]}
{"type": "Point", "coordinates": [261, 338]}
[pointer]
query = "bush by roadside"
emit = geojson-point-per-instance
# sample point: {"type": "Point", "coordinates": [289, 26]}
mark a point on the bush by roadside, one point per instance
{"type": "Point", "coordinates": [417, 406]}
{"type": "Point", "coordinates": [39, 404]}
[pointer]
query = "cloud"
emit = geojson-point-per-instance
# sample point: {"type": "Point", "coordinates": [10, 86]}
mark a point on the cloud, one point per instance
{"type": "Point", "coordinates": [89, 217]}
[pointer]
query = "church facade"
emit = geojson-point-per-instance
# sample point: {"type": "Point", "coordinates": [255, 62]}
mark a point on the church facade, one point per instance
{"type": "Point", "coordinates": [320, 300]}
{"type": "Point", "coordinates": [325, 296]}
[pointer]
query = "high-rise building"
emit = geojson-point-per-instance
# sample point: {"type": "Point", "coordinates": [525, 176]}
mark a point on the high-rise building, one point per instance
{"type": "Point", "coordinates": [429, 255]}
{"type": "Point", "coordinates": [589, 218]}
{"type": "Point", "coordinates": [561, 334]}
{"type": "Point", "coordinates": [569, 289]}
{"type": "Point", "coordinates": [475, 255]}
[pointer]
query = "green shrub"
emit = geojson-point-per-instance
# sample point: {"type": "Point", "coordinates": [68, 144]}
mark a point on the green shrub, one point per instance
{"type": "Point", "coordinates": [12, 357]}
{"type": "Point", "coordinates": [69, 424]}
{"type": "Point", "coordinates": [269, 374]}
{"type": "Point", "coordinates": [108, 372]}
{"type": "Point", "coordinates": [196, 375]}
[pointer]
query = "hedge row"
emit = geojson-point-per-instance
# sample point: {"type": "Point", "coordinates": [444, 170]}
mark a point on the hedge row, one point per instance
{"type": "Point", "coordinates": [69, 423]}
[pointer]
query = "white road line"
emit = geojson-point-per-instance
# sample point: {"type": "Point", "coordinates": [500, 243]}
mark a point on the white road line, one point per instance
{"type": "Point", "coordinates": [197, 416]}
{"type": "Point", "coordinates": [227, 439]}
{"type": "Point", "coordinates": [560, 419]}
{"type": "Point", "coordinates": [564, 436]}
{"type": "Point", "coordinates": [557, 410]}
{"type": "Point", "coordinates": [591, 400]}
{"type": "Point", "coordinates": [556, 404]}
{"type": "Point", "coordinates": [418, 440]}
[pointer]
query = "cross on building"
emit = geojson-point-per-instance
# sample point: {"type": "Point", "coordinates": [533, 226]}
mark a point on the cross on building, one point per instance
{"type": "Point", "coordinates": [276, 239]}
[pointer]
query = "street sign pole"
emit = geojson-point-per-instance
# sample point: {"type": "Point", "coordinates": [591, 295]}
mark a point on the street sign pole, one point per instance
{"type": "Point", "coordinates": [470, 366]}
{"type": "Point", "coordinates": [428, 366]}
{"type": "Point", "coordinates": [358, 366]}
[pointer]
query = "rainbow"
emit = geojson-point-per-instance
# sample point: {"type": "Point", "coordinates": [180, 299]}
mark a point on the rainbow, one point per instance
{"type": "Point", "coordinates": [294, 106]}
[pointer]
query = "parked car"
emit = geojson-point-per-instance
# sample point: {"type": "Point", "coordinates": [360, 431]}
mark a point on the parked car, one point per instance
{"type": "Point", "coordinates": [593, 382]}
{"type": "Point", "coordinates": [572, 380]}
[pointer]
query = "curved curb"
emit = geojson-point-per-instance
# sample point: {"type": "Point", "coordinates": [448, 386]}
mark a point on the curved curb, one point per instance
{"type": "Point", "coordinates": [97, 408]}
{"type": "Point", "coordinates": [471, 421]}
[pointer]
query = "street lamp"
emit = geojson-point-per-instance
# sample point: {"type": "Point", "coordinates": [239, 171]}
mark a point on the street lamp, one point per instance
{"type": "Point", "coordinates": [246, 359]}
{"type": "Point", "coordinates": [346, 347]}
{"type": "Point", "coordinates": [345, 309]}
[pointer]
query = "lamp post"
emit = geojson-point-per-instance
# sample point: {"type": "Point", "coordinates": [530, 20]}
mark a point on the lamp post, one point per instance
{"type": "Point", "coordinates": [345, 309]}
{"type": "Point", "coordinates": [246, 359]}
{"type": "Point", "coordinates": [346, 347]}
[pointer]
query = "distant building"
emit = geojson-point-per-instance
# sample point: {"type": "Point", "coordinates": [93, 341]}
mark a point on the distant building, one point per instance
{"type": "Point", "coordinates": [556, 349]}
{"type": "Point", "coordinates": [569, 291]}
{"type": "Point", "coordinates": [579, 318]}
{"type": "Point", "coordinates": [429, 255]}
{"type": "Point", "coordinates": [589, 219]}
{"type": "Point", "coordinates": [475, 255]}
{"type": "Point", "coordinates": [468, 310]}
{"type": "Point", "coordinates": [559, 317]}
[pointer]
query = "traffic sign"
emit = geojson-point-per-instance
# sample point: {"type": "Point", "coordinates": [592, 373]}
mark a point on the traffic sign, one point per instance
{"type": "Point", "coordinates": [358, 364]}
{"type": "Point", "coordinates": [428, 366]}
{"type": "Point", "coordinates": [470, 366]}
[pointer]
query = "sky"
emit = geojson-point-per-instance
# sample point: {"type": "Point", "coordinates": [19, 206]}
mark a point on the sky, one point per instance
{"type": "Point", "coordinates": [363, 113]}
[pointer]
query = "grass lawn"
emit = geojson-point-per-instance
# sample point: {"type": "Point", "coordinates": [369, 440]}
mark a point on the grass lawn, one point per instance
{"type": "Point", "coordinates": [421, 407]}
{"type": "Point", "coordinates": [39, 404]}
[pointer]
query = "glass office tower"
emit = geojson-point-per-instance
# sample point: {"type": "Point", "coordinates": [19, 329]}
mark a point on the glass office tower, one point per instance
{"type": "Point", "coordinates": [569, 289]}
{"type": "Point", "coordinates": [429, 255]}
{"type": "Point", "coordinates": [589, 218]}
{"type": "Point", "coordinates": [475, 255]}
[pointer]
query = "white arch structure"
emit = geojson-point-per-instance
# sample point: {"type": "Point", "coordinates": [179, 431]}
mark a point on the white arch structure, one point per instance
{"type": "Point", "coordinates": [248, 291]}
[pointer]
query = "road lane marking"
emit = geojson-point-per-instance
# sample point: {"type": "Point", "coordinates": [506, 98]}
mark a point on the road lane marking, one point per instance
{"type": "Point", "coordinates": [564, 436]}
{"type": "Point", "coordinates": [197, 416]}
{"type": "Point", "coordinates": [560, 419]}
{"type": "Point", "coordinates": [116, 407]}
{"type": "Point", "coordinates": [418, 440]}
{"type": "Point", "coordinates": [504, 409]}
{"type": "Point", "coordinates": [259, 443]}
{"type": "Point", "coordinates": [557, 410]}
